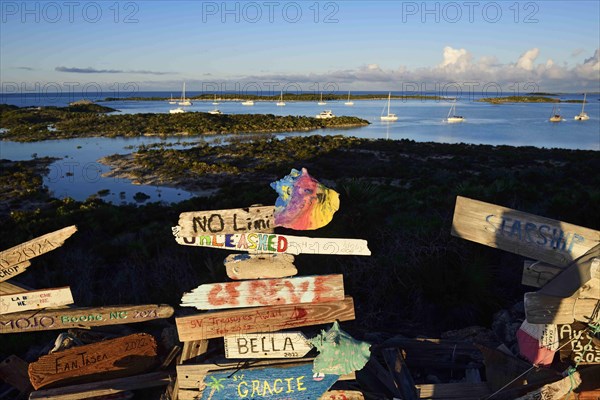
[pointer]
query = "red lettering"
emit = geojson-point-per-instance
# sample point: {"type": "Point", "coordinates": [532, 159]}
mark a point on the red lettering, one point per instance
{"type": "Point", "coordinates": [323, 291]}
{"type": "Point", "coordinates": [282, 244]}
{"type": "Point", "coordinates": [215, 242]}
{"type": "Point", "coordinates": [261, 291]}
{"type": "Point", "coordinates": [296, 293]}
{"type": "Point", "coordinates": [216, 297]}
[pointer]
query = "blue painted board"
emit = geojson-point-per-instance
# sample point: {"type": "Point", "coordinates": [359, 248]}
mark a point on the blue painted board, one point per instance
{"type": "Point", "coordinates": [296, 382]}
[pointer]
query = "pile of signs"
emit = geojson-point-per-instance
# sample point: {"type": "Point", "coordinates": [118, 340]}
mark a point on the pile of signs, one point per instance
{"type": "Point", "coordinates": [563, 316]}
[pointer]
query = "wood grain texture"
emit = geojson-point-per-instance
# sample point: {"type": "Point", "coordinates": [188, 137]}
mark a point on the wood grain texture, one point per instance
{"type": "Point", "coordinates": [114, 358]}
{"type": "Point", "coordinates": [542, 309]}
{"type": "Point", "coordinates": [555, 391]}
{"type": "Point", "coordinates": [11, 258]}
{"type": "Point", "coordinates": [13, 287]}
{"type": "Point", "coordinates": [13, 270]}
{"type": "Point", "coordinates": [342, 395]}
{"type": "Point", "coordinates": [539, 238]}
{"type": "Point", "coordinates": [267, 345]}
{"type": "Point", "coordinates": [236, 220]}
{"type": "Point", "coordinates": [262, 319]}
{"type": "Point", "coordinates": [35, 300]}
{"type": "Point", "coordinates": [46, 320]}
{"type": "Point", "coordinates": [259, 266]}
{"type": "Point", "coordinates": [104, 388]}
{"type": "Point", "coordinates": [266, 292]}
{"type": "Point", "coordinates": [460, 390]}
{"type": "Point", "coordinates": [574, 276]}
{"type": "Point", "coordinates": [537, 273]}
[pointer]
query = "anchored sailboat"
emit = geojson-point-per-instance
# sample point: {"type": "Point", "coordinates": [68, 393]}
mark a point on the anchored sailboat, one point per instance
{"type": "Point", "coordinates": [215, 102]}
{"type": "Point", "coordinates": [452, 117]}
{"type": "Point", "coordinates": [349, 103]}
{"type": "Point", "coordinates": [389, 117]}
{"type": "Point", "coordinates": [582, 116]}
{"type": "Point", "coordinates": [172, 101]}
{"type": "Point", "coordinates": [281, 102]}
{"type": "Point", "coordinates": [556, 117]}
{"type": "Point", "coordinates": [184, 101]}
{"type": "Point", "coordinates": [321, 102]}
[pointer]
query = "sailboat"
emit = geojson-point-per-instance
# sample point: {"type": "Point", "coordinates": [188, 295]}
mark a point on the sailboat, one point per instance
{"type": "Point", "coordinates": [321, 102]}
{"type": "Point", "coordinates": [248, 102]}
{"type": "Point", "coordinates": [216, 111]}
{"type": "Point", "coordinates": [556, 117]}
{"type": "Point", "coordinates": [215, 102]}
{"type": "Point", "coordinates": [184, 101]}
{"type": "Point", "coordinates": [172, 101]}
{"type": "Point", "coordinates": [177, 110]}
{"type": "Point", "coordinates": [349, 103]}
{"type": "Point", "coordinates": [389, 117]}
{"type": "Point", "coordinates": [281, 102]}
{"type": "Point", "coordinates": [582, 116]}
{"type": "Point", "coordinates": [452, 117]}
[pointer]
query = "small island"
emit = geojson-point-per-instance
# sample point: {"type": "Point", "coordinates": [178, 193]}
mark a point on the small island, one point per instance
{"type": "Point", "coordinates": [531, 98]}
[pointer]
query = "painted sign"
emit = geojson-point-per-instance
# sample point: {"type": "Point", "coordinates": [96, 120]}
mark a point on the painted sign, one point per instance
{"type": "Point", "coordinates": [262, 319]}
{"type": "Point", "coordinates": [275, 243]}
{"type": "Point", "coordinates": [14, 260]}
{"type": "Point", "coordinates": [303, 202]}
{"type": "Point", "coordinates": [237, 220]}
{"type": "Point", "coordinates": [267, 345]}
{"type": "Point", "coordinates": [66, 318]}
{"type": "Point", "coordinates": [35, 299]}
{"type": "Point", "coordinates": [259, 266]}
{"type": "Point", "coordinates": [578, 345]}
{"type": "Point", "coordinates": [539, 238]}
{"type": "Point", "coordinates": [265, 292]}
{"type": "Point", "coordinates": [113, 358]}
{"type": "Point", "coordinates": [538, 342]}
{"type": "Point", "coordinates": [276, 383]}
{"type": "Point", "coordinates": [339, 353]}
{"type": "Point", "coordinates": [543, 309]}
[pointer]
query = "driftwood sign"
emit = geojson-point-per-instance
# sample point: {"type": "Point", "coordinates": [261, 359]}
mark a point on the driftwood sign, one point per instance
{"type": "Point", "coordinates": [266, 292]}
{"type": "Point", "coordinates": [66, 318]}
{"type": "Point", "coordinates": [15, 260]}
{"type": "Point", "coordinates": [277, 382]}
{"type": "Point", "coordinates": [544, 239]}
{"type": "Point", "coordinates": [35, 299]}
{"type": "Point", "coordinates": [578, 345]}
{"type": "Point", "coordinates": [275, 243]}
{"type": "Point", "coordinates": [542, 309]}
{"type": "Point", "coordinates": [109, 359]}
{"type": "Point", "coordinates": [262, 319]}
{"type": "Point", "coordinates": [259, 266]}
{"type": "Point", "coordinates": [237, 220]}
{"type": "Point", "coordinates": [267, 345]}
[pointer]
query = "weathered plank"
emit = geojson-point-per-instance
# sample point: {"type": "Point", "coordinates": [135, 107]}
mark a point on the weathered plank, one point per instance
{"type": "Point", "coordinates": [260, 266]}
{"type": "Point", "coordinates": [104, 388]}
{"type": "Point", "coordinates": [402, 377]}
{"type": "Point", "coordinates": [275, 243]}
{"type": "Point", "coordinates": [193, 349]}
{"type": "Point", "coordinates": [275, 382]}
{"type": "Point", "coordinates": [13, 260]}
{"type": "Point", "coordinates": [35, 300]}
{"type": "Point", "coordinates": [460, 390]}
{"type": "Point", "coordinates": [237, 220]}
{"type": "Point", "coordinates": [578, 345]}
{"type": "Point", "coordinates": [542, 309]}
{"type": "Point", "coordinates": [537, 273]}
{"type": "Point", "coordinates": [114, 358]}
{"type": "Point", "coordinates": [264, 292]}
{"type": "Point", "coordinates": [342, 395]}
{"type": "Point", "coordinates": [262, 319]}
{"type": "Point", "coordinates": [540, 238]}
{"type": "Point", "coordinates": [574, 276]}
{"type": "Point", "coordinates": [267, 345]}
{"type": "Point", "coordinates": [555, 391]}
{"type": "Point", "coordinates": [13, 287]}
{"type": "Point", "coordinates": [13, 371]}
{"type": "Point", "coordinates": [65, 318]}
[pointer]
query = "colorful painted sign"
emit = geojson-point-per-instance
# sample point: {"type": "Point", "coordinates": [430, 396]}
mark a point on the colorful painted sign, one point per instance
{"type": "Point", "coordinates": [303, 202]}
{"type": "Point", "coordinates": [267, 345]}
{"type": "Point", "coordinates": [113, 358]}
{"type": "Point", "coordinates": [259, 266]}
{"type": "Point", "coordinates": [555, 242]}
{"type": "Point", "coordinates": [237, 220]}
{"type": "Point", "coordinates": [265, 292]}
{"type": "Point", "coordinates": [274, 243]}
{"type": "Point", "coordinates": [276, 383]}
{"type": "Point", "coordinates": [65, 318]}
{"type": "Point", "coordinates": [339, 353]}
{"type": "Point", "coordinates": [538, 342]}
{"type": "Point", "coordinates": [35, 299]}
{"type": "Point", "coordinates": [578, 344]}
{"type": "Point", "coordinates": [262, 319]}
{"type": "Point", "coordinates": [14, 260]}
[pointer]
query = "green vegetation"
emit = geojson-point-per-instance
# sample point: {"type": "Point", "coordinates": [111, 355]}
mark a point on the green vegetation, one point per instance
{"type": "Point", "coordinates": [520, 99]}
{"type": "Point", "coordinates": [91, 120]}
{"type": "Point", "coordinates": [21, 184]}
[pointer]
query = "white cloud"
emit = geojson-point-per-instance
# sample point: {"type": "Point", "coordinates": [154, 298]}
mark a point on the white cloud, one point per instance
{"type": "Point", "coordinates": [527, 59]}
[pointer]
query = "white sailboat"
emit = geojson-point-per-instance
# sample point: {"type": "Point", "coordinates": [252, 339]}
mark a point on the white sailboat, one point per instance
{"type": "Point", "coordinates": [582, 116]}
{"type": "Point", "coordinates": [321, 102]}
{"type": "Point", "coordinates": [556, 117]}
{"type": "Point", "coordinates": [248, 103]}
{"type": "Point", "coordinates": [216, 111]}
{"type": "Point", "coordinates": [390, 117]}
{"type": "Point", "coordinates": [215, 102]}
{"type": "Point", "coordinates": [452, 117]}
{"type": "Point", "coordinates": [349, 103]}
{"type": "Point", "coordinates": [281, 102]}
{"type": "Point", "coordinates": [184, 101]}
{"type": "Point", "coordinates": [177, 110]}
{"type": "Point", "coordinates": [172, 101]}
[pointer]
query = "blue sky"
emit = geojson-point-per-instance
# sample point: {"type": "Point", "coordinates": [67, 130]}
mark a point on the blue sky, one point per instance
{"type": "Point", "coordinates": [358, 45]}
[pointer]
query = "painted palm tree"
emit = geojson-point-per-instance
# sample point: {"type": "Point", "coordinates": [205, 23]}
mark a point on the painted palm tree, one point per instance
{"type": "Point", "coordinates": [215, 386]}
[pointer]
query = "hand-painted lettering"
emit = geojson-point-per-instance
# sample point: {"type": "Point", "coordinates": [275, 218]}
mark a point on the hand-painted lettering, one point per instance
{"type": "Point", "coordinates": [216, 297]}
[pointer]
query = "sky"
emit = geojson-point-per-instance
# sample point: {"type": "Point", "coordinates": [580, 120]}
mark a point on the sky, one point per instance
{"type": "Point", "coordinates": [510, 47]}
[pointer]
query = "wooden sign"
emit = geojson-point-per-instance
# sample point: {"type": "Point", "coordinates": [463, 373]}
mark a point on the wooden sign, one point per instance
{"type": "Point", "coordinates": [574, 276]}
{"type": "Point", "coordinates": [542, 309]}
{"type": "Point", "coordinates": [262, 319]}
{"type": "Point", "coordinates": [237, 220]}
{"type": "Point", "coordinates": [555, 391]}
{"type": "Point", "coordinates": [266, 292]}
{"type": "Point", "coordinates": [282, 382]}
{"type": "Point", "coordinates": [113, 358]}
{"type": "Point", "coordinates": [14, 260]}
{"type": "Point", "coordinates": [342, 395]}
{"type": "Point", "coordinates": [66, 318]}
{"type": "Point", "coordinates": [34, 300]}
{"type": "Point", "coordinates": [13, 371]}
{"type": "Point", "coordinates": [267, 345]}
{"type": "Point", "coordinates": [578, 345]}
{"type": "Point", "coordinates": [544, 239]}
{"type": "Point", "coordinates": [537, 273]}
{"type": "Point", "coordinates": [260, 266]}
{"type": "Point", "coordinates": [274, 243]}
